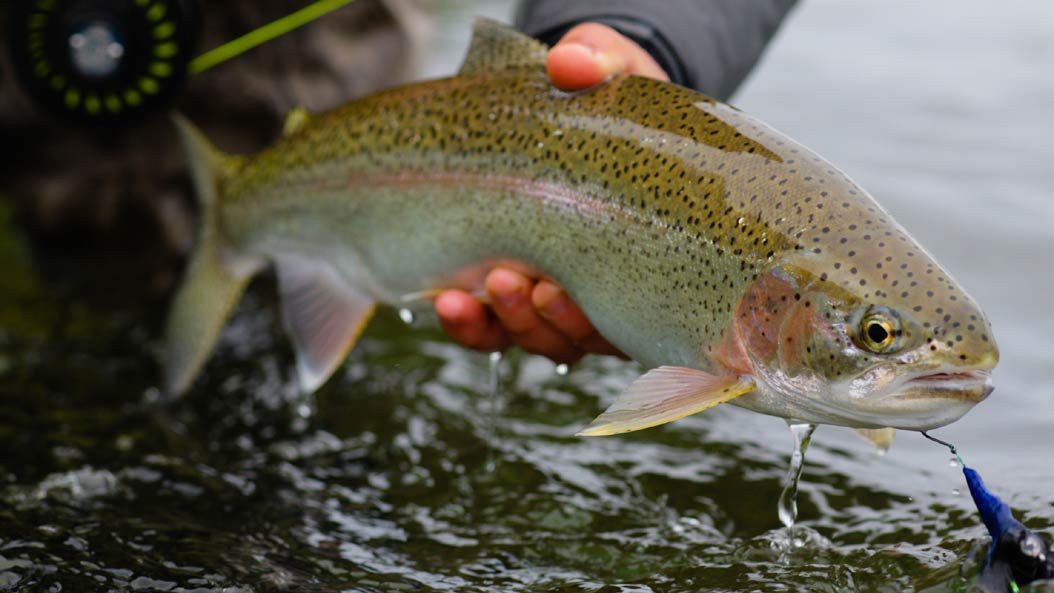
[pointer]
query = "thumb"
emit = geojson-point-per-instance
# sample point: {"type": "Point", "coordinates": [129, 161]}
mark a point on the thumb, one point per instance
{"type": "Point", "coordinates": [591, 53]}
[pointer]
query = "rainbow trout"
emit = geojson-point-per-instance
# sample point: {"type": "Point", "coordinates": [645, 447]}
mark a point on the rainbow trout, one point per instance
{"type": "Point", "coordinates": [736, 264]}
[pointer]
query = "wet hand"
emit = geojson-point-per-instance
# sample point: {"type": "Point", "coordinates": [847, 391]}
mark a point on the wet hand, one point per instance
{"type": "Point", "coordinates": [537, 315]}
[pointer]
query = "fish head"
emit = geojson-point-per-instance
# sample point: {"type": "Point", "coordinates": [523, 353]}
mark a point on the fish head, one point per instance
{"type": "Point", "coordinates": [839, 344]}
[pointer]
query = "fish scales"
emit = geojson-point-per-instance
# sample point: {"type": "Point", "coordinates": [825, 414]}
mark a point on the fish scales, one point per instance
{"type": "Point", "coordinates": [701, 198]}
{"type": "Point", "coordinates": [692, 234]}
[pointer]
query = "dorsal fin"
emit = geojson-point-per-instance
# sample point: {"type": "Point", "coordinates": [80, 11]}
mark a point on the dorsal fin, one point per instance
{"type": "Point", "coordinates": [496, 46]}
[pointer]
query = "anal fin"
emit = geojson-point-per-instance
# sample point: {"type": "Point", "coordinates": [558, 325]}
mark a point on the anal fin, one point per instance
{"type": "Point", "coordinates": [323, 315]}
{"type": "Point", "coordinates": [665, 394]}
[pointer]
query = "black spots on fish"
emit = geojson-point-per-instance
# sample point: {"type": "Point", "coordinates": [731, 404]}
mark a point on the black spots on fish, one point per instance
{"type": "Point", "coordinates": [730, 193]}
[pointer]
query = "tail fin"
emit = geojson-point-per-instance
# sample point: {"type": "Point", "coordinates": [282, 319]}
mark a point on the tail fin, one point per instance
{"type": "Point", "coordinates": [213, 281]}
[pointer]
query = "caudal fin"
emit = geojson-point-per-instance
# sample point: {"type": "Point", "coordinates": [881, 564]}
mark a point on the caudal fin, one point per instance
{"type": "Point", "coordinates": [213, 281]}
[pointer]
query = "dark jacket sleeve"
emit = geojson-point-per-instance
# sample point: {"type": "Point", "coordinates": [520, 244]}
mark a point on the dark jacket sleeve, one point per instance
{"type": "Point", "coordinates": [708, 45]}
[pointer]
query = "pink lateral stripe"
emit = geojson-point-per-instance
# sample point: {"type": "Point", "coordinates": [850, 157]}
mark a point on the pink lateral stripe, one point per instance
{"type": "Point", "coordinates": [545, 192]}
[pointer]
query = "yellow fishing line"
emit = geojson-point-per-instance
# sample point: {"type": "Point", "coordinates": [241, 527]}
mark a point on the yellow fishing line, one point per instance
{"type": "Point", "coordinates": [263, 34]}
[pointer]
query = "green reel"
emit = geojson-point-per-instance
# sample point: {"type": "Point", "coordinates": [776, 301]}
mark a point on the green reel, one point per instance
{"type": "Point", "coordinates": [103, 61]}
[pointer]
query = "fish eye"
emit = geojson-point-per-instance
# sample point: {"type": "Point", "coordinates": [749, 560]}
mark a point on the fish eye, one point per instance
{"type": "Point", "coordinates": [878, 331]}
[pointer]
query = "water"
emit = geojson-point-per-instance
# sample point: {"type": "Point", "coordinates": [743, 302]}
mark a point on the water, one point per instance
{"type": "Point", "coordinates": [395, 479]}
{"type": "Point", "coordinates": [787, 507]}
{"type": "Point", "coordinates": [407, 316]}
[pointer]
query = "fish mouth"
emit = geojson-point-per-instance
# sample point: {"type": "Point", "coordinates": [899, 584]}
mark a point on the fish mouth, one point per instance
{"type": "Point", "coordinates": [933, 399]}
{"type": "Point", "coordinates": [926, 400]}
{"type": "Point", "coordinates": [971, 386]}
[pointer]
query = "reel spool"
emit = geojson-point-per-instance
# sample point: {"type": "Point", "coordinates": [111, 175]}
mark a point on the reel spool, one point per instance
{"type": "Point", "coordinates": [103, 61]}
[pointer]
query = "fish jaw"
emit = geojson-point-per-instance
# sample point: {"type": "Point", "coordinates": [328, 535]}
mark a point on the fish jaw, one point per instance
{"type": "Point", "coordinates": [921, 401]}
{"type": "Point", "coordinates": [924, 402]}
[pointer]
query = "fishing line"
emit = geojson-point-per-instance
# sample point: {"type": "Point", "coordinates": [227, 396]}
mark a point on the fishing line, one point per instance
{"type": "Point", "coordinates": [1010, 582]}
{"type": "Point", "coordinates": [950, 446]}
{"type": "Point", "coordinates": [264, 34]}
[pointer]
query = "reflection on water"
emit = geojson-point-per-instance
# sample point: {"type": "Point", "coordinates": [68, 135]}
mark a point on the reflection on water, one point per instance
{"type": "Point", "coordinates": [399, 476]}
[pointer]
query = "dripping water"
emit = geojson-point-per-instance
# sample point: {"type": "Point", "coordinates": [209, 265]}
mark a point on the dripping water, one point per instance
{"type": "Point", "coordinates": [494, 386]}
{"type": "Point", "coordinates": [407, 316]}
{"type": "Point", "coordinates": [493, 414]}
{"type": "Point", "coordinates": [788, 504]}
{"type": "Point", "coordinates": [562, 370]}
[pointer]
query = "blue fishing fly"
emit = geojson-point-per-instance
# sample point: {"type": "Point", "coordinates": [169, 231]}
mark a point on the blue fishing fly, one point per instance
{"type": "Point", "coordinates": [1017, 556]}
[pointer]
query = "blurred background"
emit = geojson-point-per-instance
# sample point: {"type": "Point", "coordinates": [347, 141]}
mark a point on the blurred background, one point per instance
{"type": "Point", "coordinates": [409, 471]}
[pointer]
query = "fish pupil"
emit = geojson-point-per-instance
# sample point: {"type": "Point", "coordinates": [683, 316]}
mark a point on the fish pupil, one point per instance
{"type": "Point", "coordinates": [877, 333]}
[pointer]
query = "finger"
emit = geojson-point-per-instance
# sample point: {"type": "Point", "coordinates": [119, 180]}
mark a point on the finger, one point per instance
{"type": "Point", "coordinates": [590, 53]}
{"type": "Point", "coordinates": [557, 308]}
{"type": "Point", "coordinates": [510, 294]}
{"type": "Point", "coordinates": [466, 320]}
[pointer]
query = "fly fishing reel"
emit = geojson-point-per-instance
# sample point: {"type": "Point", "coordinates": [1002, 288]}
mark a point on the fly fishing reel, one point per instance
{"type": "Point", "coordinates": [99, 61]}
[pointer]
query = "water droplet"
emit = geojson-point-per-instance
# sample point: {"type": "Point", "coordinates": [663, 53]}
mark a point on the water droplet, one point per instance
{"type": "Point", "coordinates": [496, 399]}
{"type": "Point", "coordinates": [562, 369]}
{"type": "Point", "coordinates": [407, 316]}
{"type": "Point", "coordinates": [956, 491]}
{"type": "Point", "coordinates": [495, 375]}
{"type": "Point", "coordinates": [788, 503]}
{"type": "Point", "coordinates": [304, 410]}
{"type": "Point", "coordinates": [953, 462]}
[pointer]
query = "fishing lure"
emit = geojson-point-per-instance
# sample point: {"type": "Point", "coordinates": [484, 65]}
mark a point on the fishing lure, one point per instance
{"type": "Point", "coordinates": [1018, 556]}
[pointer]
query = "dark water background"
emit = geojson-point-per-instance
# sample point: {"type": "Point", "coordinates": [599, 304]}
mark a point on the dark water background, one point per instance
{"type": "Point", "coordinates": [407, 473]}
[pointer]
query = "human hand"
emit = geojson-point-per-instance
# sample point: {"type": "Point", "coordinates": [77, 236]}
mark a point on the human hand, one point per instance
{"type": "Point", "coordinates": [590, 53]}
{"type": "Point", "coordinates": [537, 315]}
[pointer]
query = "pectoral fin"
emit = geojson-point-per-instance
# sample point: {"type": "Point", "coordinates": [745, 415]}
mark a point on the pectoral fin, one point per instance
{"type": "Point", "coordinates": [665, 394]}
{"type": "Point", "coordinates": [322, 314]}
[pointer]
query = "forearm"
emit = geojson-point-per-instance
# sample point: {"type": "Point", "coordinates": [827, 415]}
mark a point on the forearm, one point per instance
{"type": "Point", "coordinates": [708, 45]}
